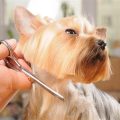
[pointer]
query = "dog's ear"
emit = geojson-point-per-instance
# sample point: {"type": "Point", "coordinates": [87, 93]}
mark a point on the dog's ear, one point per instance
{"type": "Point", "coordinates": [26, 23]}
{"type": "Point", "coordinates": [101, 31]}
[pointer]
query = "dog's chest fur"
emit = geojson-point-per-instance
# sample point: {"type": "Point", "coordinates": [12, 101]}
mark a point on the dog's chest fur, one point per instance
{"type": "Point", "coordinates": [82, 102]}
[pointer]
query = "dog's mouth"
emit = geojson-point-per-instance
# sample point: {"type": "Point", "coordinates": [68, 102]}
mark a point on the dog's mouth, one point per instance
{"type": "Point", "coordinates": [98, 57]}
{"type": "Point", "coordinates": [98, 53]}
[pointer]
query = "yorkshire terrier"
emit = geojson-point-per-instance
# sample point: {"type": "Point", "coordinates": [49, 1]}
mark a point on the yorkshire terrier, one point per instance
{"type": "Point", "coordinates": [63, 53]}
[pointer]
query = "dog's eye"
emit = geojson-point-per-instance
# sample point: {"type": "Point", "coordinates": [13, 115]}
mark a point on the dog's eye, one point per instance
{"type": "Point", "coordinates": [71, 31]}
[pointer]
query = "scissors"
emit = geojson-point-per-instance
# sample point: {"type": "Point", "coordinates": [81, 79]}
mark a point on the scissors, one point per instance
{"type": "Point", "coordinates": [11, 61]}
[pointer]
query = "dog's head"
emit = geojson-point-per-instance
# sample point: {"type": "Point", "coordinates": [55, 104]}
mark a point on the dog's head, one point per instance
{"type": "Point", "coordinates": [67, 48]}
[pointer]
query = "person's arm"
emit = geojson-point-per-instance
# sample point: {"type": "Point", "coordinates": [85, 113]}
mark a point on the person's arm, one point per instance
{"type": "Point", "coordinates": [11, 81]}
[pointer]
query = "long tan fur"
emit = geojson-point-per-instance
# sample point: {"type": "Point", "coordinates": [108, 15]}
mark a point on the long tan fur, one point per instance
{"type": "Point", "coordinates": [61, 60]}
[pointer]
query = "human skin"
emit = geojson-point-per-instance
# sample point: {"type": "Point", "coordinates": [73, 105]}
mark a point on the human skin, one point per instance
{"type": "Point", "coordinates": [11, 80]}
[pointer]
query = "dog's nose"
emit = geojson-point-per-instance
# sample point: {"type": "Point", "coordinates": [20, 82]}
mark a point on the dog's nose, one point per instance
{"type": "Point", "coordinates": [101, 43]}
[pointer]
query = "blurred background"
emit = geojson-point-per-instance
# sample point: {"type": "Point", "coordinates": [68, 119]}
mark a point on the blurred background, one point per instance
{"type": "Point", "coordinates": [99, 12]}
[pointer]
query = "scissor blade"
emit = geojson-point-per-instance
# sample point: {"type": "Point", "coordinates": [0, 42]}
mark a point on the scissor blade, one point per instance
{"type": "Point", "coordinates": [42, 84]}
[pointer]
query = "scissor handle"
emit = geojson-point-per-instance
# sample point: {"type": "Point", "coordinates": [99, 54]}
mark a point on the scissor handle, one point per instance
{"type": "Point", "coordinates": [12, 62]}
{"type": "Point", "coordinates": [10, 50]}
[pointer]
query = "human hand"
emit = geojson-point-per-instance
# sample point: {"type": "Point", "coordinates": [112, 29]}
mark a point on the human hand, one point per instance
{"type": "Point", "coordinates": [10, 80]}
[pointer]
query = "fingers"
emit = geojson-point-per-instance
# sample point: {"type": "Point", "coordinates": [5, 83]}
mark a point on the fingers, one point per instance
{"type": "Point", "coordinates": [4, 52]}
{"type": "Point", "coordinates": [13, 80]}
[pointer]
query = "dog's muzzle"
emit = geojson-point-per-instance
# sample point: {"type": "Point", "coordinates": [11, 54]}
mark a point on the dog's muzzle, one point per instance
{"type": "Point", "coordinates": [101, 44]}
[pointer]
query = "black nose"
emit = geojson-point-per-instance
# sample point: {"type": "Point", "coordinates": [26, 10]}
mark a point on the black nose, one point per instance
{"type": "Point", "coordinates": [101, 43]}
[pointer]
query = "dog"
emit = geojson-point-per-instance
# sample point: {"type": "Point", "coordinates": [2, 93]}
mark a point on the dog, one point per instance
{"type": "Point", "coordinates": [68, 54]}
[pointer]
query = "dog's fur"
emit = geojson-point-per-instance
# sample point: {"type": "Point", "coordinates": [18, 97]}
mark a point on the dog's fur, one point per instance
{"type": "Point", "coordinates": [58, 57]}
